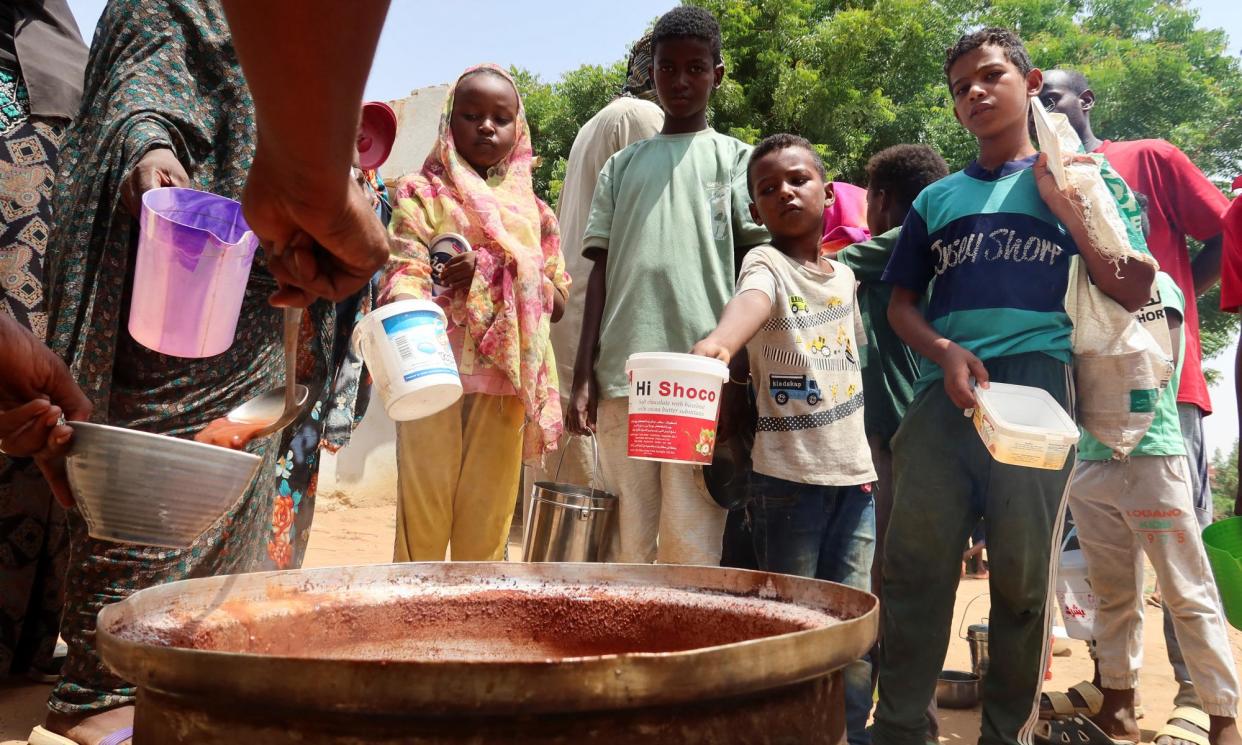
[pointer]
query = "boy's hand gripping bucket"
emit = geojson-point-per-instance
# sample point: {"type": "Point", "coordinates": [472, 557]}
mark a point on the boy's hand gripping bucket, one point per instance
{"type": "Point", "coordinates": [406, 346]}
{"type": "Point", "coordinates": [674, 406]}
{"type": "Point", "coordinates": [194, 256]}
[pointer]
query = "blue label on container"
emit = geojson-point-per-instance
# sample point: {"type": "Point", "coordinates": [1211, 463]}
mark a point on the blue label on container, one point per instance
{"type": "Point", "coordinates": [421, 345]}
{"type": "Point", "coordinates": [425, 373]}
{"type": "Point", "coordinates": [411, 320]}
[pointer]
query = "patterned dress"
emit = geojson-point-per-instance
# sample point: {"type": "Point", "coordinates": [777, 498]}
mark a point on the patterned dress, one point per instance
{"type": "Point", "coordinates": [162, 73]}
{"type": "Point", "coordinates": [34, 545]}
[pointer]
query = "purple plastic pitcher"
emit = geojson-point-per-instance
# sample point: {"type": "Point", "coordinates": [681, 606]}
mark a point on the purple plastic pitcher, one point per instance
{"type": "Point", "coordinates": [194, 256]}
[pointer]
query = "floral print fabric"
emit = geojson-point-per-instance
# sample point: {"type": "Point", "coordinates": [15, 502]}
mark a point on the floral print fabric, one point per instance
{"type": "Point", "coordinates": [507, 312]}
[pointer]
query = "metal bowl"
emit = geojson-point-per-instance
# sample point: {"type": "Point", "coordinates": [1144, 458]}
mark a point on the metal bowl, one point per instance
{"type": "Point", "coordinates": [138, 487]}
{"type": "Point", "coordinates": [956, 689]}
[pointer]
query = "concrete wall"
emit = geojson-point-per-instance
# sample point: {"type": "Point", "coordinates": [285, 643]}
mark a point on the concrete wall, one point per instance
{"type": "Point", "coordinates": [418, 120]}
{"type": "Point", "coordinates": [365, 471]}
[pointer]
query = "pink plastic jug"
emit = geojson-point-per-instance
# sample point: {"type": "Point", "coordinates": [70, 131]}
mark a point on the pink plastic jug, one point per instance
{"type": "Point", "coordinates": [194, 257]}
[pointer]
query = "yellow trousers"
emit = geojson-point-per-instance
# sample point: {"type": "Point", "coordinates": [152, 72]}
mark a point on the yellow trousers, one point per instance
{"type": "Point", "coordinates": [458, 473]}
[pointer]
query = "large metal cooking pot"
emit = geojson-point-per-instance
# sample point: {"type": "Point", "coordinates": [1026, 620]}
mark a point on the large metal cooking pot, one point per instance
{"type": "Point", "coordinates": [340, 655]}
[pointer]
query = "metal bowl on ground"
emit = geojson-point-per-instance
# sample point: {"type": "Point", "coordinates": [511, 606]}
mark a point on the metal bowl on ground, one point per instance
{"type": "Point", "coordinates": [490, 652]}
{"type": "Point", "coordinates": [138, 487]}
{"type": "Point", "coordinates": [957, 689]}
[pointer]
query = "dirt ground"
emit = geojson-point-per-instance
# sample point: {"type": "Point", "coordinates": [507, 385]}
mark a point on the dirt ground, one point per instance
{"type": "Point", "coordinates": [359, 533]}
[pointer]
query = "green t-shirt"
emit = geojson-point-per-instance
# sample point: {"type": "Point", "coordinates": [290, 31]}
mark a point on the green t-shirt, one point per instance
{"type": "Point", "coordinates": [1165, 435]}
{"type": "Point", "coordinates": [889, 366]}
{"type": "Point", "coordinates": [672, 211]}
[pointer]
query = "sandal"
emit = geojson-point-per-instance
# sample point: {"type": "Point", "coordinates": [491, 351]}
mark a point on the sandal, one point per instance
{"type": "Point", "coordinates": [41, 736]}
{"type": "Point", "coordinates": [1191, 716]}
{"type": "Point", "coordinates": [1073, 730]}
{"type": "Point", "coordinates": [1063, 706]}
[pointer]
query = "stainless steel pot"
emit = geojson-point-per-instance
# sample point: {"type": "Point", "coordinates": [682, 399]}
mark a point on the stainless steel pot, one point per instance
{"type": "Point", "coordinates": [977, 638]}
{"type": "Point", "coordinates": [240, 682]}
{"type": "Point", "coordinates": [957, 690]}
{"type": "Point", "coordinates": [568, 522]}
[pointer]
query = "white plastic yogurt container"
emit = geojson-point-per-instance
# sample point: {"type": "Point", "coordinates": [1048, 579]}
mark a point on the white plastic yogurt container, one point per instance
{"type": "Point", "coordinates": [406, 346]}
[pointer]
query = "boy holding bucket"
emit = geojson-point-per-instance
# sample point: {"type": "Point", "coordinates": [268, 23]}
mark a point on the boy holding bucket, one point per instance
{"type": "Point", "coordinates": [796, 313]}
{"type": "Point", "coordinates": [666, 221]}
{"type": "Point", "coordinates": [990, 247]}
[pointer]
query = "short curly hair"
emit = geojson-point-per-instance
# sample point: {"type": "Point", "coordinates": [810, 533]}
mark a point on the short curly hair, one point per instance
{"type": "Point", "coordinates": [903, 171]}
{"type": "Point", "coordinates": [1015, 50]}
{"type": "Point", "coordinates": [688, 22]}
{"type": "Point", "coordinates": [781, 141]}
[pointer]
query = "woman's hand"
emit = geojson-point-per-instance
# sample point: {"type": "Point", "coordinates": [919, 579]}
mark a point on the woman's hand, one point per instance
{"type": "Point", "coordinates": [458, 273]}
{"type": "Point", "coordinates": [155, 170]}
{"type": "Point", "coordinates": [35, 385]}
{"type": "Point", "coordinates": [34, 430]}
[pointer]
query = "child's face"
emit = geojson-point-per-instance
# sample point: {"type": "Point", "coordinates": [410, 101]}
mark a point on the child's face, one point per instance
{"type": "Point", "coordinates": [484, 120]}
{"type": "Point", "coordinates": [990, 95]}
{"type": "Point", "coordinates": [789, 194]}
{"type": "Point", "coordinates": [685, 75]}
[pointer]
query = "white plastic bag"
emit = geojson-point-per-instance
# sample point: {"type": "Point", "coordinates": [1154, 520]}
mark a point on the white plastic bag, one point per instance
{"type": "Point", "coordinates": [1122, 361]}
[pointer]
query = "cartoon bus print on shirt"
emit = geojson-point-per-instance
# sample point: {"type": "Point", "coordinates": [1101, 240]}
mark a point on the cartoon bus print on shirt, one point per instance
{"type": "Point", "coordinates": [798, 304]}
{"type": "Point", "coordinates": [784, 387]}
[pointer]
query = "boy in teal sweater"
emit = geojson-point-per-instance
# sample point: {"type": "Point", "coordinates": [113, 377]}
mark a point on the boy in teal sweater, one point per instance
{"type": "Point", "coordinates": [989, 248]}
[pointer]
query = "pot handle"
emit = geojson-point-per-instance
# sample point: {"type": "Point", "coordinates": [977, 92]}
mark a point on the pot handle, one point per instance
{"type": "Point", "coordinates": [966, 613]}
{"type": "Point", "coordinates": [597, 476]}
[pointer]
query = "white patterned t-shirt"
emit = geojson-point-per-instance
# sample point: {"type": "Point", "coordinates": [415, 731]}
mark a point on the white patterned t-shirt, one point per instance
{"type": "Point", "coordinates": [806, 370]}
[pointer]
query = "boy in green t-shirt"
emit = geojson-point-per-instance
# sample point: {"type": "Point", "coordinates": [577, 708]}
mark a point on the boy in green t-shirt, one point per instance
{"type": "Point", "coordinates": [895, 176]}
{"type": "Point", "coordinates": [668, 221]}
{"type": "Point", "coordinates": [1144, 502]}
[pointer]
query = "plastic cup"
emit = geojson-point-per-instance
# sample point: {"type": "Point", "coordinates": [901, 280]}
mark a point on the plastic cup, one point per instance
{"type": "Point", "coordinates": [194, 257]}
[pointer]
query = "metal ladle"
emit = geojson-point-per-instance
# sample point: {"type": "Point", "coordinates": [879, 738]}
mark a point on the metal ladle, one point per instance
{"type": "Point", "coordinates": [277, 408]}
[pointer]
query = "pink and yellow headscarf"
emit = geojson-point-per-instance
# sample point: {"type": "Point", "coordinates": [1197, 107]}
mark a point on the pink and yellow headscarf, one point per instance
{"type": "Point", "coordinates": [508, 309]}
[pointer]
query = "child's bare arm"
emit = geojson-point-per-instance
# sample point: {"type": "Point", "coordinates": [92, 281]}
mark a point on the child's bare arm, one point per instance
{"type": "Point", "coordinates": [1174, 319]}
{"type": "Point", "coordinates": [741, 320]}
{"type": "Point", "coordinates": [1130, 283]}
{"type": "Point", "coordinates": [584, 396]}
{"type": "Point", "coordinates": [559, 297]}
{"type": "Point", "coordinates": [959, 365]}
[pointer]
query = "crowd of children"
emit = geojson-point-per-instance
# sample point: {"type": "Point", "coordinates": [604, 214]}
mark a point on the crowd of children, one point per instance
{"type": "Point", "coordinates": [697, 242]}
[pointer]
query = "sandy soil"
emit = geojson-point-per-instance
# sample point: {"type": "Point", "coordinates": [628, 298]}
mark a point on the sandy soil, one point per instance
{"type": "Point", "coordinates": [357, 533]}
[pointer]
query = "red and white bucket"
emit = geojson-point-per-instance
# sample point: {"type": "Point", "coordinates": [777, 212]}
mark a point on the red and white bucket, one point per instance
{"type": "Point", "coordinates": [674, 406]}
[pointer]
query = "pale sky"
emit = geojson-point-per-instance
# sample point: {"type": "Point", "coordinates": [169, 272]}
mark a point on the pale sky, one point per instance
{"type": "Point", "coordinates": [424, 44]}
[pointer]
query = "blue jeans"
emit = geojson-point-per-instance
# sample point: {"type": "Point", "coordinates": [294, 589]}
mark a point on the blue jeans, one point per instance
{"type": "Point", "coordinates": [824, 532]}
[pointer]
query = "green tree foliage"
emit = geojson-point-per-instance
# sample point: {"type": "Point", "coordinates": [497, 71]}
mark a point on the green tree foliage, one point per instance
{"type": "Point", "coordinates": [856, 76]}
{"type": "Point", "coordinates": [1224, 481]}
{"type": "Point", "coordinates": [556, 111]}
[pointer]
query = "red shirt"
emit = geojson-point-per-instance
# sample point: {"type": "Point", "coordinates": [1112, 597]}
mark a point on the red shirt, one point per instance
{"type": "Point", "coordinates": [1231, 259]}
{"type": "Point", "coordinates": [1180, 202]}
